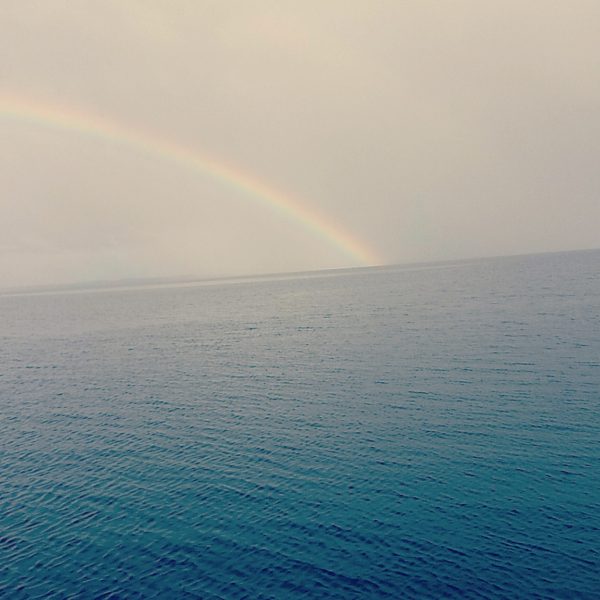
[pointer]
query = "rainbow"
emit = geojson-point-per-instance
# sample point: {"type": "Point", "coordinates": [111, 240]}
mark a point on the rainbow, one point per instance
{"type": "Point", "coordinates": [100, 127]}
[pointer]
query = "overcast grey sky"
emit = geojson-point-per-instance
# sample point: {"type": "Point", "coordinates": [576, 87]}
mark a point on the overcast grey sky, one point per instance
{"type": "Point", "coordinates": [426, 129]}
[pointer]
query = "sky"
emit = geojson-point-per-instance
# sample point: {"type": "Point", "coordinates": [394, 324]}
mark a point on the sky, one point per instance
{"type": "Point", "coordinates": [212, 138]}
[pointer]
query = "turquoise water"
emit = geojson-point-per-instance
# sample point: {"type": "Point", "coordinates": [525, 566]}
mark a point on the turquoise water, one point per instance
{"type": "Point", "coordinates": [380, 433]}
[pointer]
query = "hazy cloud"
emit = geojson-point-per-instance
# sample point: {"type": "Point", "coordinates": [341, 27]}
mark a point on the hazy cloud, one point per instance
{"type": "Point", "coordinates": [430, 130]}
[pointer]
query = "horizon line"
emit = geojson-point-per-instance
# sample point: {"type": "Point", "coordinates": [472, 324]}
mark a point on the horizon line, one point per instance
{"type": "Point", "coordinates": [161, 281]}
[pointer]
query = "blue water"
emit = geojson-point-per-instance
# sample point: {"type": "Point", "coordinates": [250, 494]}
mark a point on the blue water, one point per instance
{"type": "Point", "coordinates": [380, 433]}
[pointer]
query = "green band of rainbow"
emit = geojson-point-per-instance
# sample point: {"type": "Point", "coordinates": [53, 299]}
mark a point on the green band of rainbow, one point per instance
{"type": "Point", "coordinates": [86, 123]}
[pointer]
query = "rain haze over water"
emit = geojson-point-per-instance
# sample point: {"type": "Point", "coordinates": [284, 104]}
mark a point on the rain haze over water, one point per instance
{"type": "Point", "coordinates": [422, 130]}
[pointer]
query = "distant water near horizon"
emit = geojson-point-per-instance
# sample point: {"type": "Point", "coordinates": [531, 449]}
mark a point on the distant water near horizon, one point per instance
{"type": "Point", "coordinates": [382, 433]}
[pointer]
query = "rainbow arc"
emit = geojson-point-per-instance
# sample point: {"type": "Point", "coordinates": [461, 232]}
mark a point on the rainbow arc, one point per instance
{"type": "Point", "coordinates": [96, 126]}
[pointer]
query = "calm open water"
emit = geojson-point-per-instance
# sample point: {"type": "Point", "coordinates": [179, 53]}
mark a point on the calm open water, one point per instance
{"type": "Point", "coordinates": [380, 433]}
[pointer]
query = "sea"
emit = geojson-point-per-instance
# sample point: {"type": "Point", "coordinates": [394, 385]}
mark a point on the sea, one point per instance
{"type": "Point", "coordinates": [424, 431]}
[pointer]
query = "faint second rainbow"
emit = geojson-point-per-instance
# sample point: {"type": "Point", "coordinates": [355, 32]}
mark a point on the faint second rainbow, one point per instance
{"type": "Point", "coordinates": [89, 124]}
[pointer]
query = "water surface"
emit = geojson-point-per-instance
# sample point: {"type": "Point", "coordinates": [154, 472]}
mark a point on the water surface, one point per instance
{"type": "Point", "coordinates": [379, 433]}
